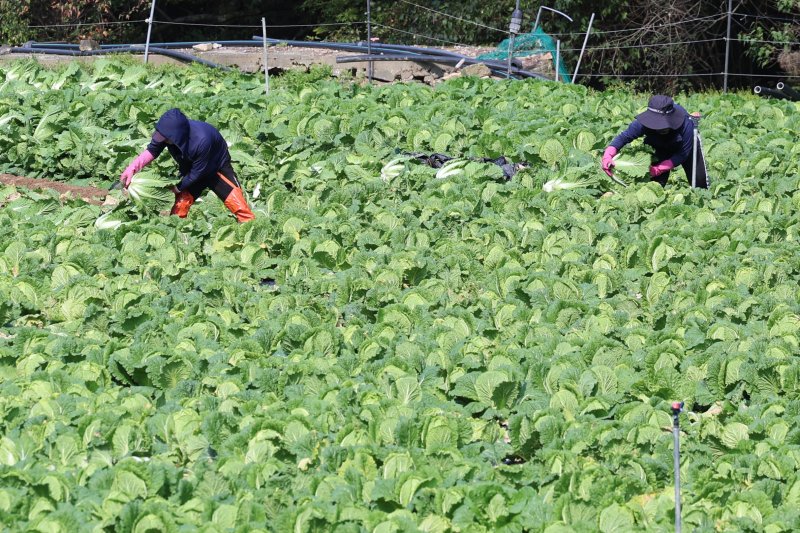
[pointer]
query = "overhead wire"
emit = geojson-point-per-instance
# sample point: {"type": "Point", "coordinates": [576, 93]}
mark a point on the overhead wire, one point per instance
{"type": "Point", "coordinates": [741, 75]}
{"type": "Point", "coordinates": [759, 41]}
{"type": "Point", "coordinates": [653, 45]}
{"type": "Point", "coordinates": [206, 25]}
{"type": "Point", "coordinates": [79, 24]}
{"type": "Point", "coordinates": [418, 35]}
{"type": "Point", "coordinates": [634, 30]}
{"type": "Point", "coordinates": [448, 15]}
{"type": "Point", "coordinates": [765, 17]}
{"type": "Point", "coordinates": [686, 75]}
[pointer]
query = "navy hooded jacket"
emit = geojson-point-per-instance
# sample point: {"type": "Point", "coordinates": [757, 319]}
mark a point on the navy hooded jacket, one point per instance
{"type": "Point", "coordinates": [197, 147]}
{"type": "Point", "coordinates": [675, 145]}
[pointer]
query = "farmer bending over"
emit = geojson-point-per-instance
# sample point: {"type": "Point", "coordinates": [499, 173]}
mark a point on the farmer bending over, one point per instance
{"type": "Point", "coordinates": [203, 162]}
{"type": "Point", "coordinates": [669, 129]}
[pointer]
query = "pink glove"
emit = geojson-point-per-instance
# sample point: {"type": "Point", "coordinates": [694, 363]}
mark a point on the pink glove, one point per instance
{"type": "Point", "coordinates": [608, 159]}
{"type": "Point", "coordinates": [664, 166]}
{"type": "Point", "coordinates": [141, 161]}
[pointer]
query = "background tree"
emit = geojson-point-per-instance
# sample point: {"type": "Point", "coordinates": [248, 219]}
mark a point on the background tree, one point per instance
{"type": "Point", "coordinates": [663, 45]}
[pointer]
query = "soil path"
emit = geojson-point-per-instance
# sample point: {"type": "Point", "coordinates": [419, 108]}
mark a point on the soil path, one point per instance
{"type": "Point", "coordinates": [91, 195]}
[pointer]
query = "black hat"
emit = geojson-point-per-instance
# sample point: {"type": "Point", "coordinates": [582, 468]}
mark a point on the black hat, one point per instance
{"type": "Point", "coordinates": [662, 114]}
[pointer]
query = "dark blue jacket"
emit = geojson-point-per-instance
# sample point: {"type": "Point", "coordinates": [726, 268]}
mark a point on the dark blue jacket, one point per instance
{"type": "Point", "coordinates": [197, 147]}
{"type": "Point", "coordinates": [675, 145]}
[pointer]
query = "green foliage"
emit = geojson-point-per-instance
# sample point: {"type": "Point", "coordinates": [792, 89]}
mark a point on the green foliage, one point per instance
{"type": "Point", "coordinates": [768, 40]}
{"type": "Point", "coordinates": [13, 24]}
{"type": "Point", "coordinates": [70, 21]}
{"type": "Point", "coordinates": [382, 350]}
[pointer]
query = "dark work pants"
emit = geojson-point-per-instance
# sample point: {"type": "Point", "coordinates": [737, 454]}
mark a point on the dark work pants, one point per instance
{"type": "Point", "coordinates": [221, 185]}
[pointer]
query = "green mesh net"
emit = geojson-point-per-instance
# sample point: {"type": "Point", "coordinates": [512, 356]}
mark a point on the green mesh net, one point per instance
{"type": "Point", "coordinates": [528, 44]}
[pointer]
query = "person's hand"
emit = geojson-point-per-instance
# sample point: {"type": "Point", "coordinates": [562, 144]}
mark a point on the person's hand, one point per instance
{"type": "Point", "coordinates": [664, 166]}
{"type": "Point", "coordinates": [141, 161]}
{"type": "Point", "coordinates": [126, 177]}
{"type": "Point", "coordinates": [608, 160]}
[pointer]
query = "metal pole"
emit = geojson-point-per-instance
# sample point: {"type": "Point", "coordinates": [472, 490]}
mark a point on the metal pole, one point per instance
{"type": "Point", "coordinates": [694, 158]}
{"type": "Point", "coordinates": [510, 52]}
{"type": "Point", "coordinates": [149, 29]}
{"type": "Point", "coordinates": [536, 22]}
{"type": "Point", "coordinates": [558, 56]}
{"type": "Point", "coordinates": [727, 47]}
{"type": "Point", "coordinates": [677, 407]}
{"type": "Point", "coordinates": [583, 48]}
{"type": "Point", "coordinates": [539, 15]}
{"type": "Point", "coordinates": [514, 27]}
{"type": "Point", "coordinates": [266, 66]}
{"type": "Point", "coordinates": [698, 155]}
{"type": "Point", "coordinates": [369, 39]}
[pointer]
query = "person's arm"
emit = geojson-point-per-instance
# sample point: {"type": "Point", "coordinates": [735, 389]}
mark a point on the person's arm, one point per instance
{"type": "Point", "coordinates": [153, 150]}
{"type": "Point", "coordinates": [200, 167]}
{"type": "Point", "coordinates": [155, 147]}
{"type": "Point", "coordinates": [634, 131]}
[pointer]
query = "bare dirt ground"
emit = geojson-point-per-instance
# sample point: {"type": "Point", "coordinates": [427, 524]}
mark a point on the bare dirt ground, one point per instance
{"type": "Point", "coordinates": [91, 195]}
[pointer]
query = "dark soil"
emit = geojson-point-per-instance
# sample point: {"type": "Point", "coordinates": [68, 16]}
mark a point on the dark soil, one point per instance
{"type": "Point", "coordinates": [91, 195]}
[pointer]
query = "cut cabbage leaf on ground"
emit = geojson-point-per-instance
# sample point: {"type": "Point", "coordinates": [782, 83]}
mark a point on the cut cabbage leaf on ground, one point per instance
{"type": "Point", "coordinates": [452, 168]}
{"type": "Point", "coordinates": [560, 184]}
{"type": "Point", "coordinates": [110, 220]}
{"type": "Point", "coordinates": [393, 168]}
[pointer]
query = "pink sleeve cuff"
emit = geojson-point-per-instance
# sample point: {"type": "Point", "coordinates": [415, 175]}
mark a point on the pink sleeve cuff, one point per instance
{"type": "Point", "coordinates": [610, 152]}
{"type": "Point", "coordinates": [142, 160]}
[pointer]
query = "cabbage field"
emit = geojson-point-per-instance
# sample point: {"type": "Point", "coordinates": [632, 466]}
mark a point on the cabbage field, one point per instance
{"type": "Point", "coordinates": [384, 349]}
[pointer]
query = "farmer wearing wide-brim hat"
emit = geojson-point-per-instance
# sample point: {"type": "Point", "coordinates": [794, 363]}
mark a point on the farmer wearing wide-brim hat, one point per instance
{"type": "Point", "coordinates": [669, 129]}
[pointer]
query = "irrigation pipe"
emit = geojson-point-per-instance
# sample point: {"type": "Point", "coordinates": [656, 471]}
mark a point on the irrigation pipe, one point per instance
{"type": "Point", "coordinates": [788, 91]}
{"type": "Point", "coordinates": [257, 41]}
{"type": "Point", "coordinates": [391, 52]}
{"type": "Point", "coordinates": [120, 50]}
{"type": "Point", "coordinates": [767, 92]}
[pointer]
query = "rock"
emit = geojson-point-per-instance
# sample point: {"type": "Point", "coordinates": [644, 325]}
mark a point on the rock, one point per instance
{"type": "Point", "coordinates": [540, 64]}
{"type": "Point", "coordinates": [88, 44]}
{"type": "Point", "coordinates": [204, 47]}
{"type": "Point", "coordinates": [450, 76]}
{"type": "Point", "coordinates": [407, 74]}
{"type": "Point", "coordinates": [110, 201]}
{"type": "Point", "coordinates": [5, 49]}
{"type": "Point", "coordinates": [478, 69]}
